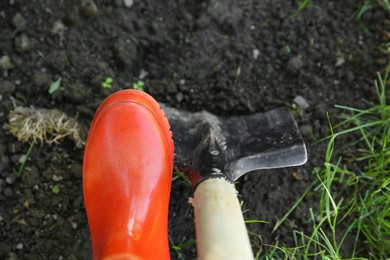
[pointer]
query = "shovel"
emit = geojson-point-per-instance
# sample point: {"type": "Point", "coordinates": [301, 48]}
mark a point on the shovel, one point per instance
{"type": "Point", "coordinates": [213, 152]}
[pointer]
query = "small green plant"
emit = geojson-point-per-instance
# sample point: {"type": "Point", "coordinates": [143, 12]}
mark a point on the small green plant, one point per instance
{"type": "Point", "coordinates": [55, 189]}
{"type": "Point", "coordinates": [107, 83]}
{"type": "Point", "coordinates": [287, 49]}
{"type": "Point", "coordinates": [22, 166]}
{"type": "Point", "coordinates": [305, 4]}
{"type": "Point", "coordinates": [179, 247]}
{"type": "Point", "coordinates": [55, 86]}
{"type": "Point", "coordinates": [302, 6]}
{"type": "Point", "coordinates": [139, 85]}
{"type": "Point", "coordinates": [181, 177]}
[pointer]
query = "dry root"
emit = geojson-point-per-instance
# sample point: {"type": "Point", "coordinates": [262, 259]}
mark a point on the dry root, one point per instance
{"type": "Point", "coordinates": [45, 125]}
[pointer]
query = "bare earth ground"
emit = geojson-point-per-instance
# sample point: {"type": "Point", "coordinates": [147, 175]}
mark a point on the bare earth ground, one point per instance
{"type": "Point", "coordinates": [227, 57]}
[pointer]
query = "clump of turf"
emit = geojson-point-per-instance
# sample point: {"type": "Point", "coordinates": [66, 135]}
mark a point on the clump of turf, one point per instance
{"type": "Point", "coordinates": [45, 125]}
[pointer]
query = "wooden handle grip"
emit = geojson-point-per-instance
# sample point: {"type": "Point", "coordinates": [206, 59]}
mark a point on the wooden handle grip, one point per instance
{"type": "Point", "coordinates": [219, 223]}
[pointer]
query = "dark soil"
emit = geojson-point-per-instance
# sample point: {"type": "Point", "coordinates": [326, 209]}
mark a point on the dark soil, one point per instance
{"type": "Point", "coordinates": [227, 57]}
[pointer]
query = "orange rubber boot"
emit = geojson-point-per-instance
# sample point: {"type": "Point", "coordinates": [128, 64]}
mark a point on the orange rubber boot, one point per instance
{"type": "Point", "coordinates": [127, 173]}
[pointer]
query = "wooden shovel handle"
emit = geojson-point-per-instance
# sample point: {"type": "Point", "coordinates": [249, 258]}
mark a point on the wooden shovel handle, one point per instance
{"type": "Point", "coordinates": [219, 223]}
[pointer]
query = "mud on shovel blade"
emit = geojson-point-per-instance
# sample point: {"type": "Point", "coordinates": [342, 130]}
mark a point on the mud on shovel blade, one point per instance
{"type": "Point", "coordinates": [214, 152]}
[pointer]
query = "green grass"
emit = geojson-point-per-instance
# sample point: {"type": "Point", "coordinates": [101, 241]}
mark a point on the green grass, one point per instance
{"type": "Point", "coordinates": [368, 5]}
{"type": "Point", "coordinates": [302, 6]}
{"type": "Point", "coordinates": [354, 190]}
{"type": "Point", "coordinates": [22, 166]}
{"type": "Point", "coordinates": [184, 243]}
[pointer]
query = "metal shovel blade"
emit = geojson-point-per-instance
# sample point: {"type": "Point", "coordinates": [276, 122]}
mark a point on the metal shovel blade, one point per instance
{"type": "Point", "coordinates": [235, 145]}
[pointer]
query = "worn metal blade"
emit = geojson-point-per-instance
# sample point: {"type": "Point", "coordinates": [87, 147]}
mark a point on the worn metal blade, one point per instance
{"type": "Point", "coordinates": [234, 145]}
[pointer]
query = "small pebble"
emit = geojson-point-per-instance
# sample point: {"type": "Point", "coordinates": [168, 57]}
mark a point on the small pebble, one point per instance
{"type": "Point", "coordinates": [340, 61]}
{"type": "Point", "coordinates": [5, 63]}
{"type": "Point", "coordinates": [19, 246]}
{"type": "Point", "coordinates": [301, 102]}
{"type": "Point", "coordinates": [297, 176]}
{"type": "Point", "coordinates": [295, 63]}
{"type": "Point", "coordinates": [19, 22]}
{"type": "Point", "coordinates": [306, 130]}
{"type": "Point", "coordinates": [57, 178]}
{"type": "Point", "coordinates": [22, 43]}
{"type": "Point", "coordinates": [128, 3]}
{"type": "Point", "coordinates": [143, 74]}
{"type": "Point", "coordinates": [179, 97]}
{"type": "Point", "coordinates": [89, 8]}
{"type": "Point", "coordinates": [10, 179]}
{"type": "Point", "coordinates": [22, 158]}
{"type": "Point", "coordinates": [58, 27]}
{"type": "Point", "coordinates": [256, 54]}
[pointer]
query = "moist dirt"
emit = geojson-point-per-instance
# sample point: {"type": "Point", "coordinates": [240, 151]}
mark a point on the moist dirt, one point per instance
{"type": "Point", "coordinates": [227, 57]}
